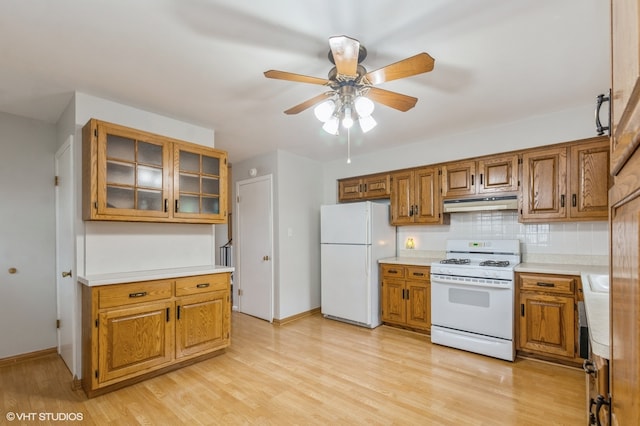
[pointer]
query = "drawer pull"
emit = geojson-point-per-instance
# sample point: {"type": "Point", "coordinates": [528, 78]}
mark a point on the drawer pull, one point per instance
{"type": "Point", "coordinates": [138, 294]}
{"type": "Point", "coordinates": [392, 271]}
{"type": "Point", "coordinates": [203, 285]}
{"type": "Point", "coordinates": [419, 274]}
{"type": "Point", "coordinates": [541, 284]}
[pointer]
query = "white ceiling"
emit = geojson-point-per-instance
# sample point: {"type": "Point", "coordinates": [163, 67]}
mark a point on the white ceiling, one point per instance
{"type": "Point", "coordinates": [202, 61]}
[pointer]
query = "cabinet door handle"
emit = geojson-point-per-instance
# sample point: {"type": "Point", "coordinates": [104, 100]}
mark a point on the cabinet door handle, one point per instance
{"type": "Point", "coordinates": [407, 294]}
{"type": "Point", "coordinates": [481, 179]}
{"type": "Point", "coordinates": [403, 296]}
{"type": "Point", "coordinates": [574, 200]}
{"type": "Point", "coordinates": [177, 206]}
{"type": "Point", "coordinates": [562, 200]}
{"type": "Point", "coordinates": [203, 285]}
{"type": "Point", "coordinates": [138, 294]}
{"type": "Point", "coordinates": [472, 180]}
{"type": "Point", "coordinates": [415, 210]}
{"type": "Point", "coordinates": [602, 98]}
{"type": "Point", "coordinates": [166, 205]}
{"type": "Point", "coordinates": [541, 284]}
{"type": "Point", "coordinates": [177, 312]}
{"type": "Point", "coordinates": [168, 313]}
{"type": "Point", "coordinates": [411, 211]}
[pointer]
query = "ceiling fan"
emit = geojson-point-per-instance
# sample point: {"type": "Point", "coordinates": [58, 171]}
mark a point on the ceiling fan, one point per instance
{"type": "Point", "coordinates": [353, 88]}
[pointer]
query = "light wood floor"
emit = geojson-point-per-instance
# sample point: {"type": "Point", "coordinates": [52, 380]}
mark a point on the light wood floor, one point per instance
{"type": "Point", "coordinates": [315, 371]}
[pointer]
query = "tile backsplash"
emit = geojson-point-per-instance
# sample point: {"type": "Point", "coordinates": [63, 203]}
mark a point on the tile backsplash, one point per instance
{"type": "Point", "coordinates": [571, 242]}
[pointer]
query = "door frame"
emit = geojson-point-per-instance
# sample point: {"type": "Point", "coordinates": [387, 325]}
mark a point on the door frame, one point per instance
{"type": "Point", "coordinates": [238, 232]}
{"type": "Point", "coordinates": [68, 145]}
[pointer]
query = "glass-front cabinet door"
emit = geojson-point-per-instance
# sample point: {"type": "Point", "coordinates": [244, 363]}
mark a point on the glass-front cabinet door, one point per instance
{"type": "Point", "coordinates": [199, 190]}
{"type": "Point", "coordinates": [133, 174]}
{"type": "Point", "coordinates": [136, 176]}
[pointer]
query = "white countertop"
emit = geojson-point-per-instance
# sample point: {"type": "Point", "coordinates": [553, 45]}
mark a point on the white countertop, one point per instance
{"type": "Point", "coordinates": [411, 261]}
{"type": "Point", "coordinates": [561, 268]}
{"type": "Point", "coordinates": [596, 305]}
{"type": "Point", "coordinates": [156, 274]}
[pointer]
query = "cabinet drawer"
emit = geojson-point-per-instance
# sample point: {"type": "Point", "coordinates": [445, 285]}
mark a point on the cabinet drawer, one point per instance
{"type": "Point", "coordinates": [201, 284]}
{"type": "Point", "coordinates": [549, 284]}
{"type": "Point", "coordinates": [418, 273]}
{"type": "Point", "coordinates": [392, 271]}
{"type": "Point", "coordinates": [128, 294]}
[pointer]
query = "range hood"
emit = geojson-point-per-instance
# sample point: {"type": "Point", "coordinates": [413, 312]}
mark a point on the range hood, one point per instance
{"type": "Point", "coordinates": [509, 202]}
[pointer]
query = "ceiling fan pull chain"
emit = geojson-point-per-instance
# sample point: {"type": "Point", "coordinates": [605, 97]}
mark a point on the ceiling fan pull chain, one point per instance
{"type": "Point", "coordinates": [348, 146]}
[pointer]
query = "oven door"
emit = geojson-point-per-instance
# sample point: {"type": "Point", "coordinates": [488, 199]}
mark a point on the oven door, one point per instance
{"type": "Point", "coordinates": [476, 305]}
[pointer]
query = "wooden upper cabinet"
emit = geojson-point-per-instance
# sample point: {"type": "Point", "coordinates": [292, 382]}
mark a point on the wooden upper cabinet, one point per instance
{"type": "Point", "coordinates": [458, 179]}
{"type": "Point", "coordinates": [127, 176]}
{"type": "Point", "coordinates": [488, 175]}
{"type": "Point", "coordinates": [361, 188]}
{"type": "Point", "coordinates": [590, 179]}
{"type": "Point", "coordinates": [569, 182]}
{"type": "Point", "coordinates": [199, 183]}
{"type": "Point", "coordinates": [415, 197]}
{"type": "Point", "coordinates": [498, 174]}
{"type": "Point", "coordinates": [544, 187]}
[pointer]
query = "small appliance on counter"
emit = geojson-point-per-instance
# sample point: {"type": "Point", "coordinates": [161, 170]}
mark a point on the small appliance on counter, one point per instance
{"type": "Point", "coordinates": [353, 238]}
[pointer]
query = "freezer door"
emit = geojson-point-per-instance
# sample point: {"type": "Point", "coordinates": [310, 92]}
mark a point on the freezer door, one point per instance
{"type": "Point", "coordinates": [345, 223]}
{"type": "Point", "coordinates": [346, 285]}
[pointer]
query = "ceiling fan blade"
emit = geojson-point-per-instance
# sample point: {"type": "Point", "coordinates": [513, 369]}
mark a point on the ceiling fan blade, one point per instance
{"type": "Point", "coordinates": [392, 99]}
{"type": "Point", "coordinates": [289, 76]}
{"type": "Point", "coordinates": [308, 103]}
{"type": "Point", "coordinates": [345, 52]}
{"type": "Point", "coordinates": [418, 64]}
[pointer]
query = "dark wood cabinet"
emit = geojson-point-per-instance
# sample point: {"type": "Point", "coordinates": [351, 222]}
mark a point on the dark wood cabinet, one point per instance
{"type": "Point", "coordinates": [406, 296]}
{"type": "Point", "coordinates": [547, 325]}
{"type": "Point", "coordinates": [415, 197]}
{"type": "Point", "coordinates": [566, 182]}
{"type": "Point", "coordinates": [361, 188]}
{"type": "Point", "coordinates": [489, 175]}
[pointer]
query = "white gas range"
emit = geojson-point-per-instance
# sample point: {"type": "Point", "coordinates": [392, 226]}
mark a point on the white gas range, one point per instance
{"type": "Point", "coordinates": [472, 297]}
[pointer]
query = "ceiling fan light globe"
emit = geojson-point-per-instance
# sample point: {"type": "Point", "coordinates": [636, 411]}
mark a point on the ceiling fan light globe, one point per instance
{"type": "Point", "coordinates": [364, 106]}
{"type": "Point", "coordinates": [347, 120]}
{"type": "Point", "coordinates": [331, 125]}
{"type": "Point", "coordinates": [324, 110]}
{"type": "Point", "coordinates": [367, 123]}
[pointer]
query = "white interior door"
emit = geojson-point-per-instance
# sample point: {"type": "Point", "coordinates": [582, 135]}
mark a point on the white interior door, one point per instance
{"type": "Point", "coordinates": [65, 254]}
{"type": "Point", "coordinates": [254, 210]}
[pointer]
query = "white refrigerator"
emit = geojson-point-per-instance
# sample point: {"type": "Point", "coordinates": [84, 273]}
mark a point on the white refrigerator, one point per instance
{"type": "Point", "coordinates": [353, 237]}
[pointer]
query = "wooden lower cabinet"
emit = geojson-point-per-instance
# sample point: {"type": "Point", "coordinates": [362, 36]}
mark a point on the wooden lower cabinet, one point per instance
{"type": "Point", "coordinates": [406, 296]}
{"type": "Point", "coordinates": [547, 325]}
{"type": "Point", "coordinates": [135, 330]}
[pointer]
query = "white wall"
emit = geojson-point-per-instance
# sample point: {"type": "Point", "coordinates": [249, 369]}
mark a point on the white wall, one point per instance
{"type": "Point", "coordinates": [299, 184]}
{"type": "Point", "coordinates": [27, 236]}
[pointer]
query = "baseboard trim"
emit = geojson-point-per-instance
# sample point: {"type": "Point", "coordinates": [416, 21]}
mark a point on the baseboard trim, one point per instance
{"type": "Point", "coordinates": [27, 357]}
{"type": "Point", "coordinates": [292, 318]}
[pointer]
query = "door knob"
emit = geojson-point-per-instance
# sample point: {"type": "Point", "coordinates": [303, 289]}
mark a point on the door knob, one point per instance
{"type": "Point", "coordinates": [66, 274]}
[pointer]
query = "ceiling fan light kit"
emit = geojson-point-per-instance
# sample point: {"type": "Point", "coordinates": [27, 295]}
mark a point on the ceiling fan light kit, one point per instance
{"type": "Point", "coordinates": [352, 93]}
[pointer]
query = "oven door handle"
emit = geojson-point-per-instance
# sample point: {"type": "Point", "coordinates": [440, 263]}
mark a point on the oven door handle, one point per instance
{"type": "Point", "coordinates": [506, 286]}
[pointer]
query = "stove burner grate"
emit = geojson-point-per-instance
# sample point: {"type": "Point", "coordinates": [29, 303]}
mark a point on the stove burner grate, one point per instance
{"type": "Point", "coordinates": [456, 261]}
{"type": "Point", "coordinates": [498, 263]}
